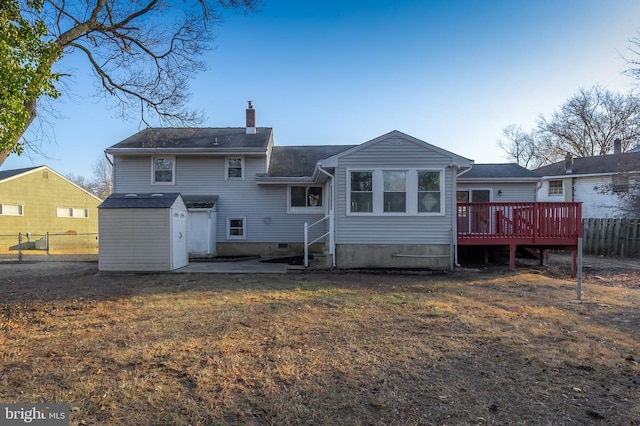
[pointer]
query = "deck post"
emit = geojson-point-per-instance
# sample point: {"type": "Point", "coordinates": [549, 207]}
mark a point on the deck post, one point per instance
{"type": "Point", "coordinates": [512, 257]}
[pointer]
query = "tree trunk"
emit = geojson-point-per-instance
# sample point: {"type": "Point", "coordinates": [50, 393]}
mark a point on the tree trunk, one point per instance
{"type": "Point", "coordinates": [31, 106]}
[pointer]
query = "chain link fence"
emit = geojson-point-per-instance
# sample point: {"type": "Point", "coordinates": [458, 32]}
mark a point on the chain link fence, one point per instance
{"type": "Point", "coordinates": [23, 247]}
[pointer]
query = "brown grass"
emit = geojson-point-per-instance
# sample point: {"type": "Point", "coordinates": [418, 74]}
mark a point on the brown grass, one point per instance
{"type": "Point", "coordinates": [327, 348]}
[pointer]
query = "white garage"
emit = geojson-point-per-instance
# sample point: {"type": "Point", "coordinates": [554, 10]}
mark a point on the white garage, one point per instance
{"type": "Point", "coordinates": [142, 232]}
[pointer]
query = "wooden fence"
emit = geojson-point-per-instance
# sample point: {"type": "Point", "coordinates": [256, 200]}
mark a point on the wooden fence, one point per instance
{"type": "Point", "coordinates": [611, 237]}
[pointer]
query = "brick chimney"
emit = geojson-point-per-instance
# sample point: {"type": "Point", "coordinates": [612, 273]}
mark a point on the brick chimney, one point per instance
{"type": "Point", "coordinates": [568, 163]}
{"type": "Point", "coordinates": [251, 119]}
{"type": "Point", "coordinates": [617, 146]}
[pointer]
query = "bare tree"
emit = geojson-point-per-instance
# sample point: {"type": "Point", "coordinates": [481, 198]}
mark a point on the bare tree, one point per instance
{"type": "Point", "coordinates": [587, 124]}
{"type": "Point", "coordinates": [142, 52]}
{"type": "Point", "coordinates": [520, 147]}
{"type": "Point", "coordinates": [102, 177]}
{"type": "Point", "coordinates": [101, 184]}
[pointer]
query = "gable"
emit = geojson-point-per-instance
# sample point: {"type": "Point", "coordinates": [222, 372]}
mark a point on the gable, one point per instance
{"type": "Point", "coordinates": [398, 146]}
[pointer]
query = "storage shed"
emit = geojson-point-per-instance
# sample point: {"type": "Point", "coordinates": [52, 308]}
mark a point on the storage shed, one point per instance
{"type": "Point", "coordinates": [142, 232]}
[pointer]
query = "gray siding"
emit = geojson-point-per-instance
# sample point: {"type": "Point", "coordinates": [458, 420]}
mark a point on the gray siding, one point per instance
{"type": "Point", "coordinates": [134, 240]}
{"type": "Point", "coordinates": [511, 192]}
{"type": "Point", "coordinates": [263, 206]}
{"type": "Point", "coordinates": [403, 229]}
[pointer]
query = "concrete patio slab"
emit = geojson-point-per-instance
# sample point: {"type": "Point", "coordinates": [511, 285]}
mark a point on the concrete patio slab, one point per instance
{"type": "Point", "coordinates": [252, 266]}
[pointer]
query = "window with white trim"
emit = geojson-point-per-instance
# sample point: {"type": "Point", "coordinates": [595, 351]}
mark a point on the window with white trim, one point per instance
{"type": "Point", "coordinates": [555, 187]}
{"type": "Point", "coordinates": [72, 212]}
{"type": "Point", "coordinates": [10, 210]}
{"type": "Point", "coordinates": [305, 199]}
{"type": "Point", "coordinates": [361, 191]}
{"type": "Point", "coordinates": [236, 228]}
{"type": "Point", "coordinates": [429, 192]}
{"type": "Point", "coordinates": [234, 168]}
{"type": "Point", "coordinates": [163, 170]}
{"type": "Point", "coordinates": [396, 192]}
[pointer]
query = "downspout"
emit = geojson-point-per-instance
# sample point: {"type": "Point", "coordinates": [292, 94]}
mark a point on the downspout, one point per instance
{"type": "Point", "coordinates": [332, 228]}
{"type": "Point", "coordinates": [454, 216]}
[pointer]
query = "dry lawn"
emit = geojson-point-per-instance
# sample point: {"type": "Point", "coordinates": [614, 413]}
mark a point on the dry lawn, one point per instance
{"type": "Point", "coordinates": [480, 347]}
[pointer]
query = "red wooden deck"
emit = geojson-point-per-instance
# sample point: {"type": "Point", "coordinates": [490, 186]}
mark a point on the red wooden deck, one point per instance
{"type": "Point", "coordinates": [531, 224]}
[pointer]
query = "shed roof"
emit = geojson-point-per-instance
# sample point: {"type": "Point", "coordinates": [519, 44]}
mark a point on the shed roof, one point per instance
{"type": "Point", "coordinates": [610, 163]}
{"type": "Point", "coordinates": [299, 161]}
{"type": "Point", "coordinates": [200, 201]}
{"type": "Point", "coordinates": [505, 170]}
{"type": "Point", "coordinates": [208, 138]}
{"type": "Point", "coordinates": [140, 201]}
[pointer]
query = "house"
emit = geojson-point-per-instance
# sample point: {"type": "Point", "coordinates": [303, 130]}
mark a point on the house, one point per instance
{"type": "Point", "coordinates": [391, 202]}
{"type": "Point", "coordinates": [35, 201]}
{"type": "Point", "coordinates": [388, 202]}
{"type": "Point", "coordinates": [601, 183]}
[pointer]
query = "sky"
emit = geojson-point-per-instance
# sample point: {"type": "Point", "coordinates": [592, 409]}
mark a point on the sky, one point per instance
{"type": "Point", "coordinates": [451, 73]}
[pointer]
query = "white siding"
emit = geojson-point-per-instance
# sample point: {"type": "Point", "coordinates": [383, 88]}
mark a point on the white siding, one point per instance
{"type": "Point", "coordinates": [134, 240]}
{"type": "Point", "coordinates": [403, 229]}
{"type": "Point", "coordinates": [595, 203]}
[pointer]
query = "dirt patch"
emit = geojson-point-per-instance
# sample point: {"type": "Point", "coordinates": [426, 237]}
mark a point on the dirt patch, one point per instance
{"type": "Point", "coordinates": [481, 346]}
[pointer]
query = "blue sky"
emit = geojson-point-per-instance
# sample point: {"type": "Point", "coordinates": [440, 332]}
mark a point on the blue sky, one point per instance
{"type": "Point", "coordinates": [452, 73]}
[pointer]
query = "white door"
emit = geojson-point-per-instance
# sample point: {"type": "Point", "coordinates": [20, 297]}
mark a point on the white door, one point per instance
{"type": "Point", "coordinates": [179, 255]}
{"type": "Point", "coordinates": [201, 232]}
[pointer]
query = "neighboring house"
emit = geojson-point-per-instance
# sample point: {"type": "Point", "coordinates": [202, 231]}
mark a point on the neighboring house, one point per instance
{"type": "Point", "coordinates": [389, 202]}
{"type": "Point", "coordinates": [37, 200]}
{"type": "Point", "coordinates": [601, 183]}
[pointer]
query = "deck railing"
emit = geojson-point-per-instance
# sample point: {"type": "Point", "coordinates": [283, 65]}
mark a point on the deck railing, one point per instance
{"type": "Point", "coordinates": [521, 223]}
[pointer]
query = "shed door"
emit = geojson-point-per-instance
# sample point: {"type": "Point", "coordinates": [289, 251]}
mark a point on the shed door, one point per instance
{"type": "Point", "coordinates": [179, 256]}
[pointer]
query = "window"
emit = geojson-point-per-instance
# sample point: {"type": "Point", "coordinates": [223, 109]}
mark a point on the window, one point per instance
{"type": "Point", "coordinates": [429, 192]}
{"type": "Point", "coordinates": [555, 187]}
{"type": "Point", "coordinates": [235, 168]}
{"type": "Point", "coordinates": [409, 191]}
{"type": "Point", "coordinates": [72, 212]}
{"type": "Point", "coordinates": [305, 198]}
{"type": "Point", "coordinates": [361, 192]}
{"type": "Point", "coordinates": [395, 191]}
{"type": "Point", "coordinates": [163, 170]}
{"type": "Point", "coordinates": [10, 210]}
{"type": "Point", "coordinates": [620, 183]}
{"type": "Point", "coordinates": [236, 228]}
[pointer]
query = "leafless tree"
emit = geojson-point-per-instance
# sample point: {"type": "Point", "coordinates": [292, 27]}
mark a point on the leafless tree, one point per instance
{"type": "Point", "coordinates": [101, 184]}
{"type": "Point", "coordinates": [587, 124]}
{"type": "Point", "coordinates": [142, 52]}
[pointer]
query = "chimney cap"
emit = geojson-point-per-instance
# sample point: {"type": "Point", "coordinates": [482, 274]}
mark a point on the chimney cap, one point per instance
{"type": "Point", "coordinates": [250, 104]}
